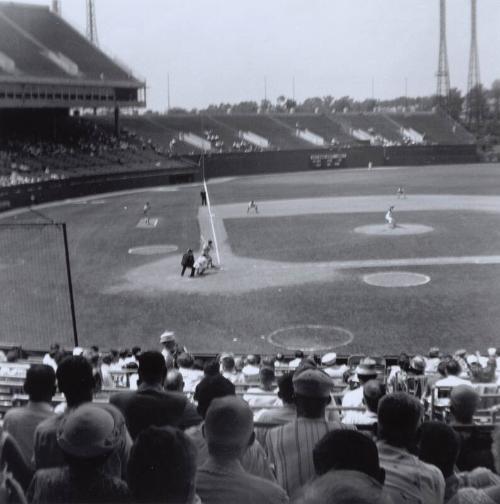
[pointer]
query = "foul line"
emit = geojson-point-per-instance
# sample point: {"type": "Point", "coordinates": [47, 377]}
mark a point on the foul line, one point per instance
{"type": "Point", "coordinates": [209, 207]}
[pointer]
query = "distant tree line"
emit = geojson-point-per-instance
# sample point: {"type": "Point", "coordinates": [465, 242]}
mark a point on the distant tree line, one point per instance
{"type": "Point", "coordinates": [479, 110]}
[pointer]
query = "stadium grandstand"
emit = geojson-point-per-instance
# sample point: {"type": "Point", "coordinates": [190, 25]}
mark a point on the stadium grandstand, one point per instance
{"type": "Point", "coordinates": [335, 338]}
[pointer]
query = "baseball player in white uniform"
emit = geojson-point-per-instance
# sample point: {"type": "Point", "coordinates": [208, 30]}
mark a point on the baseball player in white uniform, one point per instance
{"type": "Point", "coordinates": [252, 205]}
{"type": "Point", "coordinates": [389, 218]}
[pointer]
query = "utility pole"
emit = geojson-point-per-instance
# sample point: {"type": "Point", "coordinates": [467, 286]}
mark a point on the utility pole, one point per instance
{"type": "Point", "coordinates": [92, 23]}
{"type": "Point", "coordinates": [168, 93]}
{"type": "Point", "coordinates": [443, 73]}
{"type": "Point", "coordinates": [473, 102]}
{"type": "Point", "coordinates": [56, 7]}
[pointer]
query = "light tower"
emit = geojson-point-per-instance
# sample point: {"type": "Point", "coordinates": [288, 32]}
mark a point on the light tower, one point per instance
{"type": "Point", "coordinates": [473, 103]}
{"type": "Point", "coordinates": [56, 7]}
{"type": "Point", "coordinates": [443, 73]}
{"type": "Point", "coordinates": [91, 23]}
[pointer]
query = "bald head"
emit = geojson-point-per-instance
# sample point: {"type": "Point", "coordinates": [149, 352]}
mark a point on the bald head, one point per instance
{"type": "Point", "coordinates": [228, 427]}
{"type": "Point", "coordinates": [464, 401]}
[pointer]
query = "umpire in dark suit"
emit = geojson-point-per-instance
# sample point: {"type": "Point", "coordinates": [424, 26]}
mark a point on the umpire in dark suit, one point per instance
{"type": "Point", "coordinates": [188, 262]}
{"type": "Point", "coordinates": [151, 404]}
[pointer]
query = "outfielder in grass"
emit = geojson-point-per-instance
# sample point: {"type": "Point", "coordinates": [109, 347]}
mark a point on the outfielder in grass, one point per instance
{"type": "Point", "coordinates": [401, 192]}
{"type": "Point", "coordinates": [145, 211]}
{"type": "Point", "coordinates": [252, 205]}
{"type": "Point", "coordinates": [389, 218]}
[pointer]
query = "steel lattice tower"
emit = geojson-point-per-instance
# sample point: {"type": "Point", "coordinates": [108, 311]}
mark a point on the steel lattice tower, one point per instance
{"type": "Point", "coordinates": [56, 7]}
{"type": "Point", "coordinates": [443, 73]}
{"type": "Point", "coordinates": [473, 108]}
{"type": "Point", "coordinates": [91, 22]}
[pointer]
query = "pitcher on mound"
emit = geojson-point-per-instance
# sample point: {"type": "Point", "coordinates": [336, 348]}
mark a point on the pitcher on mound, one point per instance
{"type": "Point", "coordinates": [389, 218]}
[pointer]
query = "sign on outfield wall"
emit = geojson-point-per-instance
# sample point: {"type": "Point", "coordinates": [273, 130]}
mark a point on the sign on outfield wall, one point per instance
{"type": "Point", "coordinates": [327, 160]}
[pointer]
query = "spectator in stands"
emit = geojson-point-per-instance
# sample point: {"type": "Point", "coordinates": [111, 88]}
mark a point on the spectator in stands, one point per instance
{"type": "Point", "coordinates": [279, 361]}
{"type": "Point", "coordinates": [191, 376]}
{"type": "Point", "coordinates": [464, 401]}
{"type": "Point", "coordinates": [432, 361]}
{"type": "Point", "coordinates": [251, 368]}
{"type": "Point", "coordinates": [488, 495]}
{"type": "Point", "coordinates": [228, 369]}
{"type": "Point", "coordinates": [478, 372]}
{"type": "Point", "coordinates": [88, 435]}
{"type": "Point", "coordinates": [415, 382]}
{"type": "Point", "coordinates": [287, 412]}
{"type": "Point", "coordinates": [151, 404]}
{"type": "Point", "coordinates": [265, 394]}
{"type": "Point", "coordinates": [365, 372]}
{"type": "Point", "coordinates": [407, 478]}
{"type": "Point", "coordinates": [162, 467]}
{"type": "Point", "coordinates": [254, 460]}
{"type": "Point", "coordinates": [107, 378]}
{"type": "Point", "coordinates": [21, 423]}
{"type": "Point", "coordinates": [331, 368]}
{"type": "Point", "coordinates": [398, 373]}
{"type": "Point", "coordinates": [211, 368]}
{"type": "Point", "coordinates": [290, 446]}
{"type": "Point", "coordinates": [475, 446]}
{"type": "Point", "coordinates": [438, 444]}
{"type": "Point", "coordinates": [174, 381]}
{"type": "Point", "coordinates": [294, 363]}
{"type": "Point", "coordinates": [229, 431]}
{"type": "Point", "coordinates": [373, 391]}
{"type": "Point", "coordinates": [348, 471]}
{"type": "Point", "coordinates": [169, 345]}
{"type": "Point", "coordinates": [52, 357]}
{"type": "Point", "coordinates": [461, 357]}
{"type": "Point", "coordinates": [75, 381]}
{"type": "Point", "coordinates": [453, 370]}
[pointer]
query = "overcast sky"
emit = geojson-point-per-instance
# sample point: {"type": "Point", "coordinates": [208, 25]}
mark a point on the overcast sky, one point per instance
{"type": "Point", "coordinates": [221, 50]}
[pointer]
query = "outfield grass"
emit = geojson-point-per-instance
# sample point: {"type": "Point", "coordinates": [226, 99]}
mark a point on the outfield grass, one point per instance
{"type": "Point", "coordinates": [457, 308]}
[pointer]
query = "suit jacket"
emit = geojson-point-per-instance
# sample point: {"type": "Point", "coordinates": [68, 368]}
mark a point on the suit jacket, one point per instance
{"type": "Point", "coordinates": [151, 405]}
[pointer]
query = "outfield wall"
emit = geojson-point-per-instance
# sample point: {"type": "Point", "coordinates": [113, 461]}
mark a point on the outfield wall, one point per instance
{"type": "Point", "coordinates": [235, 164]}
{"type": "Point", "coordinates": [74, 187]}
{"type": "Point", "coordinates": [251, 163]}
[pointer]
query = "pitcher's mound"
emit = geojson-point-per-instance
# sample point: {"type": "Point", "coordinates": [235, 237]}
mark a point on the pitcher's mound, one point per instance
{"type": "Point", "coordinates": [396, 279]}
{"type": "Point", "coordinates": [400, 229]}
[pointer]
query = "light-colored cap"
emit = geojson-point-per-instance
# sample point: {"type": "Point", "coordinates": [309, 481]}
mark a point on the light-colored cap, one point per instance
{"type": "Point", "coordinates": [312, 383]}
{"type": "Point", "coordinates": [329, 359]}
{"type": "Point", "coordinates": [492, 352]}
{"type": "Point", "coordinates": [167, 337]}
{"type": "Point", "coordinates": [78, 351]}
{"type": "Point", "coordinates": [472, 359]}
{"type": "Point", "coordinates": [366, 367]}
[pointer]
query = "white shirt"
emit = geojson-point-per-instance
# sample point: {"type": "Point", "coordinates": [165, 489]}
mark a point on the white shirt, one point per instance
{"type": "Point", "coordinates": [49, 361]}
{"type": "Point", "coordinates": [353, 399]}
{"type": "Point", "coordinates": [452, 381]}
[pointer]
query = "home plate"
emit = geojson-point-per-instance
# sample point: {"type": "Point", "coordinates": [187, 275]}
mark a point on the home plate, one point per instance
{"type": "Point", "coordinates": [144, 224]}
{"type": "Point", "coordinates": [402, 229]}
{"type": "Point", "coordinates": [396, 279]}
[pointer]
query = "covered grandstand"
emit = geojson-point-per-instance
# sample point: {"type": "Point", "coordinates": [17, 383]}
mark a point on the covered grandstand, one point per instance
{"type": "Point", "coordinates": [46, 63]}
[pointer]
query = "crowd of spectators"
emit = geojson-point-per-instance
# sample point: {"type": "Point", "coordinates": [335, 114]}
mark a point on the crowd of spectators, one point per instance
{"type": "Point", "coordinates": [163, 426]}
{"type": "Point", "coordinates": [27, 157]}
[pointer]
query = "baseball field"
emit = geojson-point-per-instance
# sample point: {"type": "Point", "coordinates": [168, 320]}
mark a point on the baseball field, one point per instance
{"type": "Point", "coordinates": [316, 268]}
